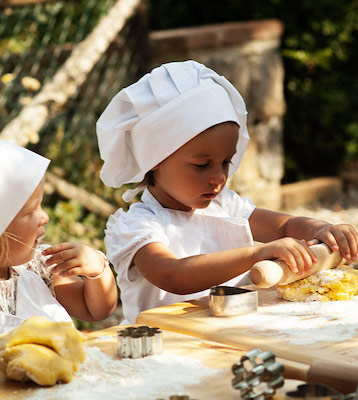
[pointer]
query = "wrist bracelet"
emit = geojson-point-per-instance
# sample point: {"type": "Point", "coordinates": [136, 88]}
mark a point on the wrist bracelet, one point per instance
{"type": "Point", "coordinates": [106, 264]}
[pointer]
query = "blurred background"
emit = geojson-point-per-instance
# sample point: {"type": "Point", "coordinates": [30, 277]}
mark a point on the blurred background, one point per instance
{"type": "Point", "coordinates": [295, 63]}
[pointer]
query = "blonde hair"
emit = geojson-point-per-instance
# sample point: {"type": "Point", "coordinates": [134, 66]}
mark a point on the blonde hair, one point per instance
{"type": "Point", "coordinates": [4, 247]}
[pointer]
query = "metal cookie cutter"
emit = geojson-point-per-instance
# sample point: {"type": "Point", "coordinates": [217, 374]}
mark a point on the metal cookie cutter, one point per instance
{"type": "Point", "coordinates": [317, 391]}
{"type": "Point", "coordinates": [257, 375]}
{"type": "Point", "coordinates": [228, 301]}
{"type": "Point", "coordinates": [139, 342]}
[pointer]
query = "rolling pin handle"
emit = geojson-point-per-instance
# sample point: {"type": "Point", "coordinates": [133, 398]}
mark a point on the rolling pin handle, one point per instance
{"type": "Point", "coordinates": [266, 273]}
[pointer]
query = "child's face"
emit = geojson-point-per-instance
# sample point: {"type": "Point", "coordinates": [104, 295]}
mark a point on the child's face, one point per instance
{"type": "Point", "coordinates": [27, 227]}
{"type": "Point", "coordinates": [196, 173]}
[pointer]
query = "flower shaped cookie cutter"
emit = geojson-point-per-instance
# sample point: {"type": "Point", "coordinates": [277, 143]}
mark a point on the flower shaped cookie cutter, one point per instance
{"type": "Point", "coordinates": [141, 341]}
{"type": "Point", "coordinates": [257, 375]}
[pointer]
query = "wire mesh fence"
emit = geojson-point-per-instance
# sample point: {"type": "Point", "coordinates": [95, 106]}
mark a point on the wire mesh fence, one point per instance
{"type": "Point", "coordinates": [66, 42]}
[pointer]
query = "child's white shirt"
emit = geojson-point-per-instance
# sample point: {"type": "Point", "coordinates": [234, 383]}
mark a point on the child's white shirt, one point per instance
{"type": "Point", "coordinates": [223, 225]}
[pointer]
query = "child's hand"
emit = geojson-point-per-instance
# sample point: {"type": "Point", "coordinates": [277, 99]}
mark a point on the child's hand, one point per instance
{"type": "Point", "coordinates": [74, 259]}
{"type": "Point", "coordinates": [341, 237]}
{"type": "Point", "coordinates": [295, 253]}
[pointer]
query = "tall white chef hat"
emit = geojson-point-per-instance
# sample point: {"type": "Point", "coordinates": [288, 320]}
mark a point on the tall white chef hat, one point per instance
{"type": "Point", "coordinates": [21, 170]}
{"type": "Point", "coordinates": [152, 118]}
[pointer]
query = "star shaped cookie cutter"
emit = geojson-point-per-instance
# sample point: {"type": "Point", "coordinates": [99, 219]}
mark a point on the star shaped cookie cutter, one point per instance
{"type": "Point", "coordinates": [257, 375]}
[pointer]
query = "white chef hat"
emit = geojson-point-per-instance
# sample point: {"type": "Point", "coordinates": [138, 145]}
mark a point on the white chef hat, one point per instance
{"type": "Point", "coordinates": [152, 118]}
{"type": "Point", "coordinates": [21, 170]}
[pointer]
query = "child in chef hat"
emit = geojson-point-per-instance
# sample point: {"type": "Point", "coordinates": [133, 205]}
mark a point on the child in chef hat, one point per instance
{"type": "Point", "coordinates": [180, 131]}
{"type": "Point", "coordinates": [28, 285]}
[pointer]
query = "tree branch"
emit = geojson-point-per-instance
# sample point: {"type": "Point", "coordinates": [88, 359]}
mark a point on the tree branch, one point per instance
{"type": "Point", "coordinates": [90, 201]}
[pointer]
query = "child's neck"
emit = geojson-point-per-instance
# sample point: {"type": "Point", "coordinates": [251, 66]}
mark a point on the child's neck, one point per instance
{"type": "Point", "coordinates": [167, 201]}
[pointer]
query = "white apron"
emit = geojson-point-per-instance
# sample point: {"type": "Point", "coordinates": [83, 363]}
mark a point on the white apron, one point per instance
{"type": "Point", "coordinates": [33, 297]}
{"type": "Point", "coordinates": [188, 235]}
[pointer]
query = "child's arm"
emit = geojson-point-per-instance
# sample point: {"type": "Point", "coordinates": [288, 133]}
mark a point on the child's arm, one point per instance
{"type": "Point", "coordinates": [269, 225]}
{"type": "Point", "coordinates": [84, 298]}
{"type": "Point", "coordinates": [283, 236]}
{"type": "Point", "coordinates": [193, 274]}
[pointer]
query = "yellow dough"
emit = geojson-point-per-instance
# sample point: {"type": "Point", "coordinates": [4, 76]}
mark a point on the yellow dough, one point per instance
{"type": "Point", "coordinates": [340, 283]}
{"type": "Point", "coordinates": [62, 337]}
{"type": "Point", "coordinates": [37, 363]}
{"type": "Point", "coordinates": [42, 350]}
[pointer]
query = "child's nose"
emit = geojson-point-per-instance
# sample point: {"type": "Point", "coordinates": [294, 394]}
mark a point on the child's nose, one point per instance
{"type": "Point", "coordinates": [44, 217]}
{"type": "Point", "coordinates": [218, 177]}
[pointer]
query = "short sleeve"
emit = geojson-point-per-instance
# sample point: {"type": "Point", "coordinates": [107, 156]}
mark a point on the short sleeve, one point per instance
{"type": "Point", "coordinates": [127, 232]}
{"type": "Point", "coordinates": [236, 205]}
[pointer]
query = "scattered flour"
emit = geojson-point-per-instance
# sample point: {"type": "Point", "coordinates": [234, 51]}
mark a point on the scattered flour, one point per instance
{"type": "Point", "coordinates": [306, 323]}
{"type": "Point", "coordinates": [103, 377]}
{"type": "Point", "coordinates": [103, 338]}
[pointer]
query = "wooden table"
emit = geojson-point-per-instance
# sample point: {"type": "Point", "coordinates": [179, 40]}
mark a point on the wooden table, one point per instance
{"type": "Point", "coordinates": [211, 354]}
{"type": "Point", "coordinates": [192, 318]}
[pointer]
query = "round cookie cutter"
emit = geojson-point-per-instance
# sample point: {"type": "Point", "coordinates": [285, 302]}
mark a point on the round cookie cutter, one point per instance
{"type": "Point", "coordinates": [229, 301]}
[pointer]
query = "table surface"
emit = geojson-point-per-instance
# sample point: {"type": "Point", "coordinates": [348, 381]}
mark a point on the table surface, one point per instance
{"type": "Point", "coordinates": [299, 336]}
{"type": "Point", "coordinates": [211, 354]}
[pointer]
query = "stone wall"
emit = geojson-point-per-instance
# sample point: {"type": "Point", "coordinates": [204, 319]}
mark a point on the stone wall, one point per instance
{"type": "Point", "coordinates": [247, 54]}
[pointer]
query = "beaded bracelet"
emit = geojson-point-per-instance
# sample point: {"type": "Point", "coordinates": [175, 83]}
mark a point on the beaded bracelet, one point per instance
{"type": "Point", "coordinates": [106, 264]}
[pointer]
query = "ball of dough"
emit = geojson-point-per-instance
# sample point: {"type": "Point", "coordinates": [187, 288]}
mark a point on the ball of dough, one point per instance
{"type": "Point", "coordinates": [38, 363]}
{"type": "Point", "coordinates": [41, 350]}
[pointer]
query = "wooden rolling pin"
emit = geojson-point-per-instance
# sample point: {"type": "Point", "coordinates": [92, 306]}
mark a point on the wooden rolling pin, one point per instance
{"type": "Point", "coordinates": [338, 375]}
{"type": "Point", "coordinates": [268, 273]}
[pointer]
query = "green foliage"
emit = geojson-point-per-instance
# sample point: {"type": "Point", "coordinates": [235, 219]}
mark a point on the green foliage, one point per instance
{"type": "Point", "coordinates": [320, 58]}
{"type": "Point", "coordinates": [49, 24]}
{"type": "Point", "coordinates": [69, 222]}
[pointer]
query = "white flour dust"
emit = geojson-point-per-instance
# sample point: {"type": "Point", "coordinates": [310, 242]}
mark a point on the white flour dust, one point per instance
{"type": "Point", "coordinates": [306, 323]}
{"type": "Point", "coordinates": [103, 377]}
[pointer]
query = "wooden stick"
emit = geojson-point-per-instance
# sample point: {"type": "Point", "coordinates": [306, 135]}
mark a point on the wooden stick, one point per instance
{"type": "Point", "coordinates": [340, 376]}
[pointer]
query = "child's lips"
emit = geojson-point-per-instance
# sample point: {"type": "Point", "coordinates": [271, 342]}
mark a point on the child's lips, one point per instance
{"type": "Point", "coordinates": [210, 196]}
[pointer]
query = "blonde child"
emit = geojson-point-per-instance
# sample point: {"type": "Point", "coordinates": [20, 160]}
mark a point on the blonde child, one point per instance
{"type": "Point", "coordinates": [181, 131]}
{"type": "Point", "coordinates": [37, 279]}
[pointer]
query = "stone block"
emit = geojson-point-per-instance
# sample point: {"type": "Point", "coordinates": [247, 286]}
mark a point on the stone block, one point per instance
{"type": "Point", "coordinates": [323, 189]}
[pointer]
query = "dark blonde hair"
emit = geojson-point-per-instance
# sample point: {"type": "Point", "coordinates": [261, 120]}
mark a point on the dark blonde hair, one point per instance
{"type": "Point", "coordinates": [4, 247]}
{"type": "Point", "coordinates": [148, 180]}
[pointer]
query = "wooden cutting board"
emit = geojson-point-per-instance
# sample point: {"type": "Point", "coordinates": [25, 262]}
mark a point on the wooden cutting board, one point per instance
{"type": "Point", "coordinates": [211, 354]}
{"type": "Point", "coordinates": [256, 329]}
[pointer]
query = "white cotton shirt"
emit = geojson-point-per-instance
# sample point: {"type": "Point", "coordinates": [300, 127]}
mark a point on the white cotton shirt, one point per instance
{"type": "Point", "coordinates": [223, 225]}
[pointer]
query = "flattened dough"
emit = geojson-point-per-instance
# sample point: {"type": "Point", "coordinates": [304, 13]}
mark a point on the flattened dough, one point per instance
{"type": "Point", "coordinates": [340, 283]}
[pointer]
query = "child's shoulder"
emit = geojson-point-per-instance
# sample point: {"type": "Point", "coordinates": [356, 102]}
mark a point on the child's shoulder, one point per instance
{"type": "Point", "coordinates": [135, 210]}
{"type": "Point", "coordinates": [138, 216]}
{"type": "Point", "coordinates": [147, 208]}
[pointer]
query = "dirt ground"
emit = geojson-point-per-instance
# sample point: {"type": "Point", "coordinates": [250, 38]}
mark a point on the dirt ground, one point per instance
{"type": "Point", "coordinates": [344, 210]}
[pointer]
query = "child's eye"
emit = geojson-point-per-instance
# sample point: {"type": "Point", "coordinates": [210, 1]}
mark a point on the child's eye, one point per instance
{"type": "Point", "coordinates": [227, 162]}
{"type": "Point", "coordinates": [201, 166]}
